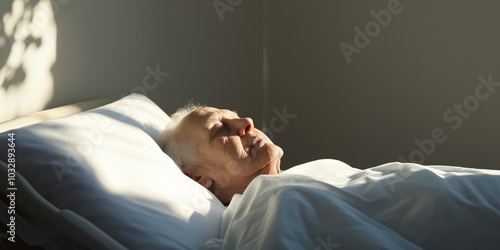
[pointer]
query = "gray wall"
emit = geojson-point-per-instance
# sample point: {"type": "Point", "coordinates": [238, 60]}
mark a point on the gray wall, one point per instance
{"type": "Point", "coordinates": [367, 112]}
{"type": "Point", "coordinates": [104, 48]}
{"type": "Point", "coordinates": [395, 91]}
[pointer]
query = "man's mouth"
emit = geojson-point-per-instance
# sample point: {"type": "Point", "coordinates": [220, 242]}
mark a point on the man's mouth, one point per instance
{"type": "Point", "coordinates": [256, 142]}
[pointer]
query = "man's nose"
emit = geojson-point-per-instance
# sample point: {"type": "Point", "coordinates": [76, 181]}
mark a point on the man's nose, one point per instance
{"type": "Point", "coordinates": [245, 125]}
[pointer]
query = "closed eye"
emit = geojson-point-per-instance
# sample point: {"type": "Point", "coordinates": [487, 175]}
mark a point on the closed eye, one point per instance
{"type": "Point", "coordinates": [222, 128]}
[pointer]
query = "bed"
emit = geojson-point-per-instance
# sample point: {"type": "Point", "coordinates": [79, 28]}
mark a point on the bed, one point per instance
{"type": "Point", "coordinates": [91, 176]}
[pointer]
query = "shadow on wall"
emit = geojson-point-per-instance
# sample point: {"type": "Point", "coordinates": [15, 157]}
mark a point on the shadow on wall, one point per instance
{"type": "Point", "coordinates": [28, 52]}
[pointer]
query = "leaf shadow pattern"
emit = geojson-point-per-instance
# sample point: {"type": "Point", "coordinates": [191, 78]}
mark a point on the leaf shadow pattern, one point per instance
{"type": "Point", "coordinates": [16, 36]}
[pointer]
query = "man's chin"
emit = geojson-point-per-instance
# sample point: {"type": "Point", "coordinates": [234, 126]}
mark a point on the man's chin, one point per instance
{"type": "Point", "coordinates": [273, 167]}
{"type": "Point", "coordinates": [276, 155]}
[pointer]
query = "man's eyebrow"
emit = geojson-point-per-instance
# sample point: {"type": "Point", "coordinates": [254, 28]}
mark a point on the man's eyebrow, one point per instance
{"type": "Point", "coordinates": [211, 117]}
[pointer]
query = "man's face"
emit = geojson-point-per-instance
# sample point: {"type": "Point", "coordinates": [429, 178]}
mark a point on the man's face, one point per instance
{"type": "Point", "coordinates": [232, 151]}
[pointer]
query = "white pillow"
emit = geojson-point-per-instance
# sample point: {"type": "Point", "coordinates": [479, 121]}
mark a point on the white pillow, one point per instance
{"type": "Point", "coordinates": [105, 165]}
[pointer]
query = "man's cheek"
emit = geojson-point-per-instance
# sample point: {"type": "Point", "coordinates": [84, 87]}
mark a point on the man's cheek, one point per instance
{"type": "Point", "coordinates": [235, 168]}
{"type": "Point", "coordinates": [223, 179]}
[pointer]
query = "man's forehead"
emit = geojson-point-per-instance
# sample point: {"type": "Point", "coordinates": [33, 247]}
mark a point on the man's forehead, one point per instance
{"type": "Point", "coordinates": [208, 115]}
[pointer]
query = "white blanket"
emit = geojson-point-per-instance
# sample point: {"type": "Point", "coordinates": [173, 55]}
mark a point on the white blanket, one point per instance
{"type": "Point", "coordinates": [327, 204]}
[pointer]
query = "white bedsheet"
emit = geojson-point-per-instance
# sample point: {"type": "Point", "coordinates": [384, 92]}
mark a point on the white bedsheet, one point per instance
{"type": "Point", "coordinates": [326, 204]}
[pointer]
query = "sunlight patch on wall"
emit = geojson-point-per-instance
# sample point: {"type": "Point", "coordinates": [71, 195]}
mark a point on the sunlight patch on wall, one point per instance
{"type": "Point", "coordinates": [28, 51]}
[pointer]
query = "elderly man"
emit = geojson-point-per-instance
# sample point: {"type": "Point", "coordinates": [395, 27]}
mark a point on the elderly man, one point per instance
{"type": "Point", "coordinates": [219, 150]}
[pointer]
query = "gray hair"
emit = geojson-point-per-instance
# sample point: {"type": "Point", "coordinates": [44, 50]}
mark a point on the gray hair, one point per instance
{"type": "Point", "coordinates": [181, 152]}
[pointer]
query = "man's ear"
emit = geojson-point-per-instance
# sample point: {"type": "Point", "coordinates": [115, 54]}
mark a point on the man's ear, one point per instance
{"type": "Point", "coordinates": [206, 182]}
{"type": "Point", "coordinates": [201, 179]}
